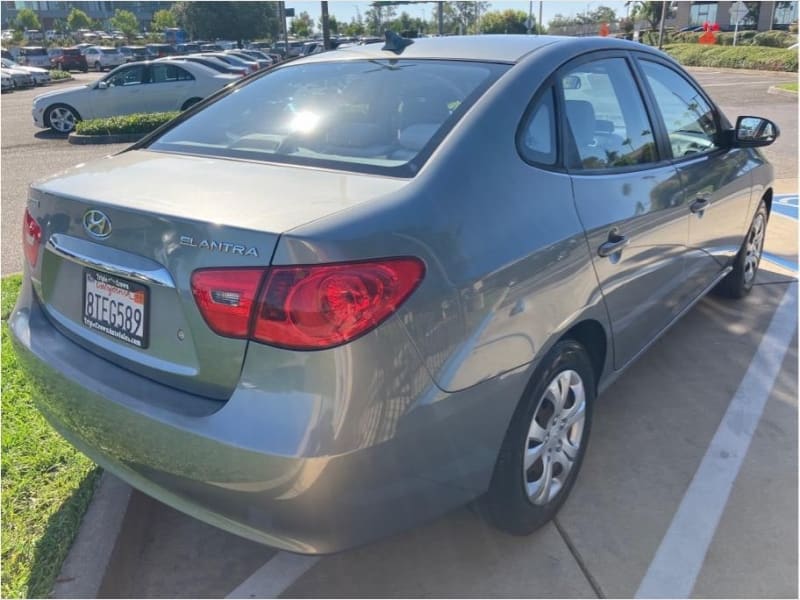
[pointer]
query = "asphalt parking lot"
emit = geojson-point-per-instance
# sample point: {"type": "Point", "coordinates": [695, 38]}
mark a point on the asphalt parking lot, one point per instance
{"type": "Point", "coordinates": [675, 423]}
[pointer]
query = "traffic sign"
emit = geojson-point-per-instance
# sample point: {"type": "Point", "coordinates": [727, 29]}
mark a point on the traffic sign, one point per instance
{"type": "Point", "coordinates": [738, 11]}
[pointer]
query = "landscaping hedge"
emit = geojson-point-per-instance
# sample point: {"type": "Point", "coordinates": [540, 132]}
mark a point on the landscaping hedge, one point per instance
{"type": "Point", "coordinates": [739, 57]}
{"type": "Point", "coordinates": [136, 123]}
{"type": "Point", "coordinates": [57, 75]}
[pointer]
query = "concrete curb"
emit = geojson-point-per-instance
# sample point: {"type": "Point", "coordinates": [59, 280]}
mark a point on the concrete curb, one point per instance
{"type": "Point", "coordinates": [118, 138]}
{"type": "Point", "coordinates": [732, 70]}
{"type": "Point", "coordinates": [774, 89]}
{"type": "Point", "coordinates": [85, 566]}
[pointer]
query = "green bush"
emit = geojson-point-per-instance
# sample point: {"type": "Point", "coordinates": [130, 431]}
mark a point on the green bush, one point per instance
{"type": "Point", "coordinates": [58, 75]}
{"type": "Point", "coordinates": [775, 39]}
{"type": "Point", "coordinates": [136, 123]}
{"type": "Point", "coordinates": [740, 57]}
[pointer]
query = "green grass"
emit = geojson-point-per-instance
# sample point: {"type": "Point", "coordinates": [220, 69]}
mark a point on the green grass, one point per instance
{"type": "Point", "coordinates": [57, 75]}
{"type": "Point", "coordinates": [738, 57]}
{"type": "Point", "coordinates": [136, 123]}
{"type": "Point", "coordinates": [46, 484]}
{"type": "Point", "coordinates": [791, 86]}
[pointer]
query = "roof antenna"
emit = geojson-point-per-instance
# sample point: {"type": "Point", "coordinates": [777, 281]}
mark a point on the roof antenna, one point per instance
{"type": "Point", "coordinates": [395, 42]}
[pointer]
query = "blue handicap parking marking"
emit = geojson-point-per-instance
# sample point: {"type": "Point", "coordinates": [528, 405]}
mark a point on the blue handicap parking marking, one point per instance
{"type": "Point", "coordinates": [786, 205]}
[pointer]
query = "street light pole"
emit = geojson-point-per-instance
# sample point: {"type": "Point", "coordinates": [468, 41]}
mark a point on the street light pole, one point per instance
{"type": "Point", "coordinates": [661, 26]}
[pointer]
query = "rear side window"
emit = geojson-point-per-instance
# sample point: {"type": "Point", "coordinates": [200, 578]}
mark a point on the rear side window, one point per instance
{"type": "Point", "coordinates": [606, 116]}
{"type": "Point", "coordinates": [688, 118]}
{"type": "Point", "coordinates": [379, 116]}
{"type": "Point", "coordinates": [166, 73]}
{"type": "Point", "coordinates": [537, 139]}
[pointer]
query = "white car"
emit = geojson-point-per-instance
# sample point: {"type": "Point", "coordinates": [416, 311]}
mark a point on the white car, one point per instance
{"type": "Point", "coordinates": [139, 87]}
{"type": "Point", "coordinates": [7, 82]}
{"type": "Point", "coordinates": [101, 58]}
{"type": "Point", "coordinates": [40, 76]}
{"type": "Point", "coordinates": [20, 79]}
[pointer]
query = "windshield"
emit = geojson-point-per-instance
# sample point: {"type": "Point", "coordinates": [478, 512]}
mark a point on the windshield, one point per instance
{"type": "Point", "coordinates": [383, 116]}
{"type": "Point", "coordinates": [109, 51]}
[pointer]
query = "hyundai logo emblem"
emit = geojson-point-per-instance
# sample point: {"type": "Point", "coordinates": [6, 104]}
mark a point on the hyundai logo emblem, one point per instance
{"type": "Point", "coordinates": [97, 224]}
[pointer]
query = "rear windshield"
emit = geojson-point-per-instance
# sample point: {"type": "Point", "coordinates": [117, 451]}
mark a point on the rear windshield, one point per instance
{"type": "Point", "coordinates": [33, 51]}
{"type": "Point", "coordinates": [71, 52]}
{"type": "Point", "coordinates": [110, 51]}
{"type": "Point", "coordinates": [377, 116]}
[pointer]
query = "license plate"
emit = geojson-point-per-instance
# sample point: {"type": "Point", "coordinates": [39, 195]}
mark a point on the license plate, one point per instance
{"type": "Point", "coordinates": [116, 307]}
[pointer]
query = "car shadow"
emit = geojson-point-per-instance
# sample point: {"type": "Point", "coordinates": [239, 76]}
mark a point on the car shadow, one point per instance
{"type": "Point", "coordinates": [52, 548]}
{"type": "Point", "coordinates": [49, 134]}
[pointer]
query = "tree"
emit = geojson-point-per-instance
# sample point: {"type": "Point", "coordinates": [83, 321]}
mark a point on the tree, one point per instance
{"type": "Point", "coordinates": [26, 19]}
{"type": "Point", "coordinates": [333, 24]}
{"type": "Point", "coordinates": [302, 25]}
{"type": "Point", "coordinates": [78, 19]}
{"type": "Point", "coordinates": [126, 22]}
{"type": "Point", "coordinates": [229, 20]}
{"type": "Point", "coordinates": [355, 27]}
{"type": "Point", "coordinates": [507, 21]}
{"type": "Point", "coordinates": [649, 11]}
{"type": "Point", "coordinates": [163, 19]}
{"type": "Point", "coordinates": [377, 16]}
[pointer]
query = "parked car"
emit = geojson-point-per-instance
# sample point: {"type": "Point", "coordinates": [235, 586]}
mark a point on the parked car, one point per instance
{"type": "Point", "coordinates": [263, 60]}
{"type": "Point", "coordinates": [102, 58]}
{"type": "Point", "coordinates": [187, 48]}
{"type": "Point", "coordinates": [482, 234]}
{"type": "Point", "coordinates": [133, 88]}
{"type": "Point", "coordinates": [7, 82]}
{"type": "Point", "coordinates": [40, 76]}
{"type": "Point", "coordinates": [294, 48]}
{"type": "Point", "coordinates": [33, 56]}
{"type": "Point", "coordinates": [134, 53]}
{"type": "Point", "coordinates": [210, 62]}
{"type": "Point", "coordinates": [160, 50]}
{"type": "Point", "coordinates": [236, 61]}
{"type": "Point", "coordinates": [69, 59]}
{"type": "Point", "coordinates": [211, 48]}
{"type": "Point", "coordinates": [261, 63]}
{"type": "Point", "coordinates": [21, 79]}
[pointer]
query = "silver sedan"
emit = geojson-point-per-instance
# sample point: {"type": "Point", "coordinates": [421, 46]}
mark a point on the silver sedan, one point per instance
{"type": "Point", "coordinates": [369, 286]}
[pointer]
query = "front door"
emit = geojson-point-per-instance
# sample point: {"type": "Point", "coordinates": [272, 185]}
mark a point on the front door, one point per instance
{"type": "Point", "coordinates": [717, 194]}
{"type": "Point", "coordinates": [629, 199]}
{"type": "Point", "coordinates": [122, 96]}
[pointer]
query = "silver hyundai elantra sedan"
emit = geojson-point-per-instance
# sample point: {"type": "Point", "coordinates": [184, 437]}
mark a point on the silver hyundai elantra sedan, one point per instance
{"type": "Point", "coordinates": [372, 285]}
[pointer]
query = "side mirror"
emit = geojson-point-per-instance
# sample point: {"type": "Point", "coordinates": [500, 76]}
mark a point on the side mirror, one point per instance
{"type": "Point", "coordinates": [101, 85]}
{"type": "Point", "coordinates": [752, 132]}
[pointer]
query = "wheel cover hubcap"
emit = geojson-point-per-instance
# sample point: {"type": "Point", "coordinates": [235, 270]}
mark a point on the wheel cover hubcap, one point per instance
{"type": "Point", "coordinates": [62, 119]}
{"type": "Point", "coordinates": [753, 248]}
{"type": "Point", "coordinates": [554, 437]}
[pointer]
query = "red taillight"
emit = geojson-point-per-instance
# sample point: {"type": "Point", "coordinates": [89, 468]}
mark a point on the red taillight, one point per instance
{"type": "Point", "coordinates": [315, 307]}
{"type": "Point", "coordinates": [309, 307]}
{"type": "Point", "coordinates": [31, 238]}
{"type": "Point", "coordinates": [225, 298]}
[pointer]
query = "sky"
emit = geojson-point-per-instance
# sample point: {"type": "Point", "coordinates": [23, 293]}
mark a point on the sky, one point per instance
{"type": "Point", "coordinates": [344, 10]}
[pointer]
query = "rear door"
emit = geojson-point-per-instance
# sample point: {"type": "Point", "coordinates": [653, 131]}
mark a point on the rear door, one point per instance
{"type": "Point", "coordinates": [628, 197]}
{"type": "Point", "coordinates": [170, 86]}
{"type": "Point", "coordinates": [715, 180]}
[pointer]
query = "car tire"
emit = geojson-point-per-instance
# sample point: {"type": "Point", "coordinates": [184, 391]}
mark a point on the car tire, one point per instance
{"type": "Point", "coordinates": [739, 282]}
{"type": "Point", "coordinates": [548, 434]}
{"type": "Point", "coordinates": [98, 67]}
{"type": "Point", "coordinates": [61, 118]}
{"type": "Point", "coordinates": [190, 103]}
{"type": "Point", "coordinates": [85, 69]}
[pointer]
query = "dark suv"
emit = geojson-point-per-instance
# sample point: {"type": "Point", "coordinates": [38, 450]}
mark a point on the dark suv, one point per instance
{"type": "Point", "coordinates": [69, 59]}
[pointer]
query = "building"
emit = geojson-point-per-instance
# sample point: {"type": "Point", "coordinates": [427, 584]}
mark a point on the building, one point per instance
{"type": "Point", "coordinates": [762, 16]}
{"type": "Point", "coordinates": [50, 12]}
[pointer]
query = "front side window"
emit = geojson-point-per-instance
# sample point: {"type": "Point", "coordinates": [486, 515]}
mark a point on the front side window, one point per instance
{"type": "Point", "coordinates": [538, 135]}
{"type": "Point", "coordinates": [368, 115]}
{"type": "Point", "coordinates": [128, 76]}
{"type": "Point", "coordinates": [606, 116]}
{"type": "Point", "coordinates": [689, 119]}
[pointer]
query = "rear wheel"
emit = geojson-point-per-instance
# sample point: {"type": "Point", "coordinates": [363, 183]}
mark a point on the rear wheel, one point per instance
{"type": "Point", "coordinates": [545, 443]}
{"type": "Point", "coordinates": [61, 118]}
{"type": "Point", "coordinates": [98, 67]}
{"type": "Point", "coordinates": [739, 282]}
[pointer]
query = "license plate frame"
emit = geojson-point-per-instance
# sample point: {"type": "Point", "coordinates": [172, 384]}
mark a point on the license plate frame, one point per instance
{"type": "Point", "coordinates": [130, 292]}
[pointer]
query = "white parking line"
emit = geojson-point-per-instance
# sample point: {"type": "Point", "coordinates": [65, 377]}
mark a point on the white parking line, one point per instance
{"type": "Point", "coordinates": [275, 576]}
{"type": "Point", "coordinates": [740, 83]}
{"type": "Point", "coordinates": [679, 558]}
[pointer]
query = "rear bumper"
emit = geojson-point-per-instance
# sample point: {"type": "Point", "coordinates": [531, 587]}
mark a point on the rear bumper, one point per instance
{"type": "Point", "coordinates": [264, 465]}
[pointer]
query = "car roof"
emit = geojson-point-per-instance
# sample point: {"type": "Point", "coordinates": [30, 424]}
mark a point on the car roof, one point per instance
{"type": "Point", "coordinates": [493, 48]}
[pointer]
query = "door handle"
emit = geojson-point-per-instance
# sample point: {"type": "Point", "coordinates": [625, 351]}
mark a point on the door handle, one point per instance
{"type": "Point", "coordinates": [615, 243]}
{"type": "Point", "coordinates": [699, 205]}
